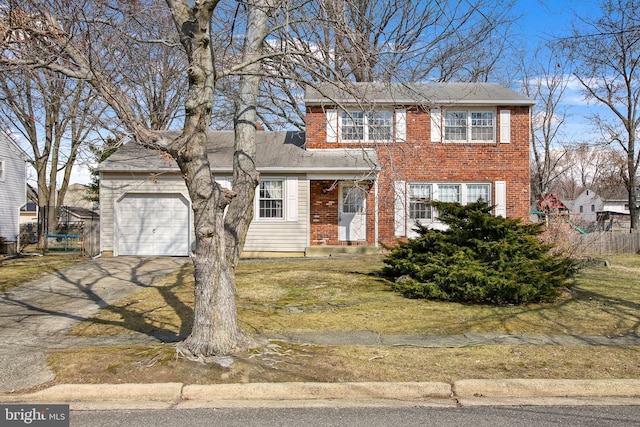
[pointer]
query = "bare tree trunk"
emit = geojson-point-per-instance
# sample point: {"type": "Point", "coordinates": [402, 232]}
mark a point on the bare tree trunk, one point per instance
{"type": "Point", "coordinates": [245, 175]}
{"type": "Point", "coordinates": [215, 326]}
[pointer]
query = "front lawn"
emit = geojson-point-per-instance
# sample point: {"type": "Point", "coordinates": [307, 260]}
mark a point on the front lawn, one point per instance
{"type": "Point", "coordinates": [279, 297]}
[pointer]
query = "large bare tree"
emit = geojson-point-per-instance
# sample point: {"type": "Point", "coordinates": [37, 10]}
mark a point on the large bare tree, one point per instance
{"type": "Point", "coordinates": [64, 37]}
{"type": "Point", "coordinates": [606, 51]}
{"type": "Point", "coordinates": [55, 115]}
{"type": "Point", "coordinates": [382, 41]}
{"type": "Point", "coordinates": [546, 80]}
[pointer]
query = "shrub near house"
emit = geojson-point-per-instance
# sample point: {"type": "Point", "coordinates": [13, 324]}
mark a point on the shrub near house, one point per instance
{"type": "Point", "coordinates": [480, 258]}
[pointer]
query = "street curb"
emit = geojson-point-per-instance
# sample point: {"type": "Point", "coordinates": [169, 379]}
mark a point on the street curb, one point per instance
{"type": "Point", "coordinates": [463, 392]}
{"type": "Point", "coordinates": [546, 388]}
{"type": "Point", "coordinates": [312, 391]}
{"type": "Point", "coordinates": [96, 393]}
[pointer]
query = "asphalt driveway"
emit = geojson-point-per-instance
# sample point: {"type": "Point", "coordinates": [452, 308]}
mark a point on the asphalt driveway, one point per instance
{"type": "Point", "coordinates": [35, 317]}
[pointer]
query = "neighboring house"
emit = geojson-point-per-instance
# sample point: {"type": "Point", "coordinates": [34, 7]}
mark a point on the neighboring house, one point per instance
{"type": "Point", "coordinates": [362, 174]}
{"type": "Point", "coordinates": [13, 190]}
{"type": "Point", "coordinates": [29, 212]}
{"type": "Point", "coordinates": [589, 203]}
{"type": "Point", "coordinates": [609, 210]}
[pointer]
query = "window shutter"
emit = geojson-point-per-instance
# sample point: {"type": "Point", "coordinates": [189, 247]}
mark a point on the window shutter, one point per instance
{"type": "Point", "coordinates": [505, 126]}
{"type": "Point", "coordinates": [332, 125]}
{"type": "Point", "coordinates": [501, 198]}
{"type": "Point", "coordinates": [292, 199]}
{"type": "Point", "coordinates": [400, 208]}
{"type": "Point", "coordinates": [401, 125]}
{"type": "Point", "coordinates": [436, 125]}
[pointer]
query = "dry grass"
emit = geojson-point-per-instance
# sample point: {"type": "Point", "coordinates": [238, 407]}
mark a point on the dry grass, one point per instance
{"type": "Point", "coordinates": [343, 294]}
{"type": "Point", "coordinates": [16, 271]}
{"type": "Point", "coordinates": [285, 363]}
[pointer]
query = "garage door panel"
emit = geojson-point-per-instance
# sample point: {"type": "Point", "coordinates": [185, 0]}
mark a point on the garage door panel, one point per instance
{"type": "Point", "coordinates": [153, 224]}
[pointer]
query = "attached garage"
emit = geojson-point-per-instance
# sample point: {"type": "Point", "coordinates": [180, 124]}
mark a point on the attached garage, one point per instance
{"type": "Point", "coordinates": [152, 224]}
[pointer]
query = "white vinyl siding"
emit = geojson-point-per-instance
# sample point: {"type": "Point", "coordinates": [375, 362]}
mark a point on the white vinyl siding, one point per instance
{"type": "Point", "coordinates": [290, 234]}
{"type": "Point", "coordinates": [114, 185]}
{"type": "Point", "coordinates": [13, 188]}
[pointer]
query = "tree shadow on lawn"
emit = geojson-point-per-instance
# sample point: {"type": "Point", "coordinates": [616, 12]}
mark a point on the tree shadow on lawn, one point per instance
{"type": "Point", "coordinates": [142, 321]}
{"type": "Point", "coordinates": [76, 295]}
{"type": "Point", "coordinates": [564, 317]}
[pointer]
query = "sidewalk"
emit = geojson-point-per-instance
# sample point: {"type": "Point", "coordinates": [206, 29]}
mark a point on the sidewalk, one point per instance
{"type": "Point", "coordinates": [35, 318]}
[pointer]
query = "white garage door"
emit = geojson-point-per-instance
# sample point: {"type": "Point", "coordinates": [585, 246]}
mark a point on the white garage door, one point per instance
{"type": "Point", "coordinates": [152, 224]}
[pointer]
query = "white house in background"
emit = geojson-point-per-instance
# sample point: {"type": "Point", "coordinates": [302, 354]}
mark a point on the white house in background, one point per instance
{"type": "Point", "coordinates": [13, 187]}
{"type": "Point", "coordinates": [589, 204]}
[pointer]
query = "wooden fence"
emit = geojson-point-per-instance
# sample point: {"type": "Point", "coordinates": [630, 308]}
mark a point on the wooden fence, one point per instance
{"type": "Point", "coordinates": [606, 243]}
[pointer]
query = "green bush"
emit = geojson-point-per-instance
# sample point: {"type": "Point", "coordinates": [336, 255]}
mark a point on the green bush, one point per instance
{"type": "Point", "coordinates": [480, 258]}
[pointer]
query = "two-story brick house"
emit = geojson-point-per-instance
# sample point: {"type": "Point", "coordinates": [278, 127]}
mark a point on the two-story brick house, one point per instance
{"type": "Point", "coordinates": [450, 142]}
{"type": "Point", "coordinates": [363, 172]}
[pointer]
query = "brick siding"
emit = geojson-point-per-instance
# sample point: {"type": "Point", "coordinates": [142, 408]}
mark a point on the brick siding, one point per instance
{"type": "Point", "coordinates": [420, 160]}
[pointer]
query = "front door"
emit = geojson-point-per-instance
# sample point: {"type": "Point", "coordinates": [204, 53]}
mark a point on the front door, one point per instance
{"type": "Point", "coordinates": [352, 214]}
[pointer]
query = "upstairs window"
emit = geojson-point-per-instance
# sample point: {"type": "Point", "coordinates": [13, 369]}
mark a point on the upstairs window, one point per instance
{"type": "Point", "coordinates": [1, 170]}
{"type": "Point", "coordinates": [469, 126]}
{"type": "Point", "coordinates": [366, 126]}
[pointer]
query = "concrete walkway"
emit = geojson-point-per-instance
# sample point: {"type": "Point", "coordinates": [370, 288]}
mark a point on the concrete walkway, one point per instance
{"type": "Point", "coordinates": [35, 317]}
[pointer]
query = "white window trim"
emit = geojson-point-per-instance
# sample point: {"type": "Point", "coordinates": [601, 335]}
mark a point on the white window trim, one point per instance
{"type": "Point", "coordinates": [468, 113]}
{"type": "Point", "coordinates": [289, 200]}
{"type": "Point", "coordinates": [404, 223]}
{"type": "Point", "coordinates": [257, 216]}
{"type": "Point", "coordinates": [365, 125]}
{"type": "Point", "coordinates": [2, 167]}
{"type": "Point", "coordinates": [398, 125]}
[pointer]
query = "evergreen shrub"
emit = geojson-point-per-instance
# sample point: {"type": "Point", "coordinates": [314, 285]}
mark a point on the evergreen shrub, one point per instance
{"type": "Point", "coordinates": [480, 258]}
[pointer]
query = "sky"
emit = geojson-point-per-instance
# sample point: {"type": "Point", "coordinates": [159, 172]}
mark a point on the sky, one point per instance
{"type": "Point", "coordinates": [544, 20]}
{"type": "Point", "coordinates": [540, 20]}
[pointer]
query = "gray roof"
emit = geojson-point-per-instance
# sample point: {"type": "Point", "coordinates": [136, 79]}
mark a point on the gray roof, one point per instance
{"type": "Point", "coordinates": [79, 212]}
{"type": "Point", "coordinates": [276, 152]}
{"type": "Point", "coordinates": [415, 94]}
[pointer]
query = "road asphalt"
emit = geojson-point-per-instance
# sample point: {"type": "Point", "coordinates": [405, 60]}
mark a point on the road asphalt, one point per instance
{"type": "Point", "coordinates": [35, 317]}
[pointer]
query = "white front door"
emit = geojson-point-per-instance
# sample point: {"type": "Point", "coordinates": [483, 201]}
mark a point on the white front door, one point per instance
{"type": "Point", "coordinates": [352, 213]}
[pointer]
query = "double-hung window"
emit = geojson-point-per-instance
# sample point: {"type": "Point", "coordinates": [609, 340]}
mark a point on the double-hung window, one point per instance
{"type": "Point", "coordinates": [478, 193]}
{"type": "Point", "coordinates": [449, 193]}
{"type": "Point", "coordinates": [271, 198]}
{"type": "Point", "coordinates": [469, 126]}
{"type": "Point", "coordinates": [366, 126]}
{"type": "Point", "coordinates": [419, 197]}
